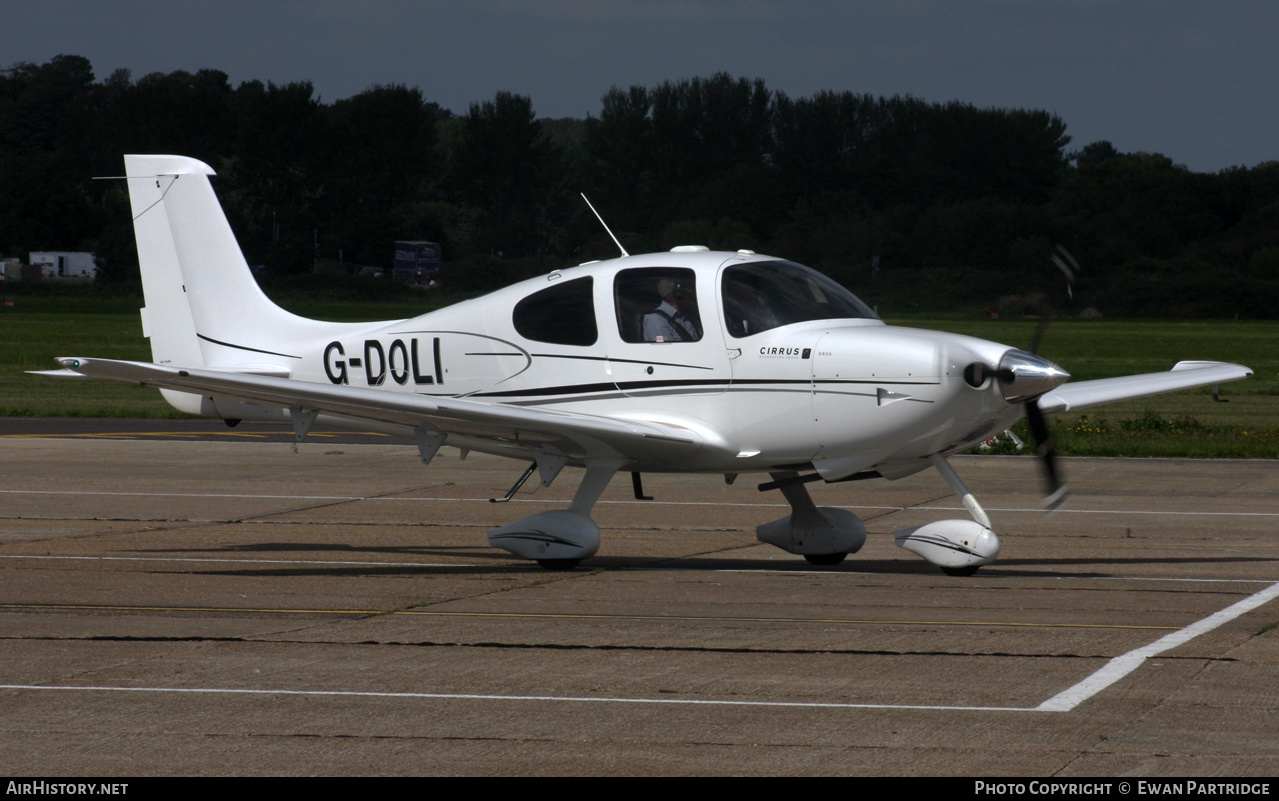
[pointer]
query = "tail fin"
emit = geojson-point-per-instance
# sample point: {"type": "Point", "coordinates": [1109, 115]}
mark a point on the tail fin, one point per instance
{"type": "Point", "coordinates": [204, 308]}
{"type": "Point", "coordinates": [166, 319]}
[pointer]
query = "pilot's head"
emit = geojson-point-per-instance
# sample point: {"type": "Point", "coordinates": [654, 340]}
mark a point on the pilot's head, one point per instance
{"type": "Point", "coordinates": [668, 288]}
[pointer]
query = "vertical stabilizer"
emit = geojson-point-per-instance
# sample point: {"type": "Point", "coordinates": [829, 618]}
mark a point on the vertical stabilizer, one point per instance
{"type": "Point", "coordinates": [204, 307]}
{"type": "Point", "coordinates": [166, 319]}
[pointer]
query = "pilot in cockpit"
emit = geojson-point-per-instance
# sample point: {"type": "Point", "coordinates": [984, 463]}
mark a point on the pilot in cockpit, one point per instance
{"type": "Point", "coordinates": [668, 322]}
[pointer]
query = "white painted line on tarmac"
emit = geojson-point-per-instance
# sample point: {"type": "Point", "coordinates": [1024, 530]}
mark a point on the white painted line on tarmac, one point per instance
{"type": "Point", "coordinates": [1116, 669]}
{"type": "Point", "coordinates": [477, 697]}
{"type": "Point", "coordinates": [1042, 510]}
{"type": "Point", "coordinates": [1122, 665]}
{"type": "Point", "coordinates": [1059, 577]}
{"type": "Point", "coordinates": [197, 495]}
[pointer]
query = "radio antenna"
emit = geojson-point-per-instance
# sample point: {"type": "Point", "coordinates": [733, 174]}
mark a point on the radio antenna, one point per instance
{"type": "Point", "coordinates": [601, 219]}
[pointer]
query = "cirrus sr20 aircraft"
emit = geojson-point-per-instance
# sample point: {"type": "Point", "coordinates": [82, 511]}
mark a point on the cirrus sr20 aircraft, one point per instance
{"type": "Point", "coordinates": [688, 361]}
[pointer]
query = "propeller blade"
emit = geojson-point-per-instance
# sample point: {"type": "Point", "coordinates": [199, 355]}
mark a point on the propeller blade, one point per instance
{"type": "Point", "coordinates": [1039, 332]}
{"type": "Point", "coordinates": [1045, 373]}
{"type": "Point", "coordinates": [1069, 268]}
{"type": "Point", "coordinates": [1044, 447]}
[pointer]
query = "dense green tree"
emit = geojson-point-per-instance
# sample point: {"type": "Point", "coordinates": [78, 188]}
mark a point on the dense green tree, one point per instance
{"type": "Point", "coordinates": [47, 113]}
{"type": "Point", "coordinates": [503, 167]}
{"type": "Point", "coordinates": [378, 158]}
{"type": "Point", "coordinates": [957, 205]}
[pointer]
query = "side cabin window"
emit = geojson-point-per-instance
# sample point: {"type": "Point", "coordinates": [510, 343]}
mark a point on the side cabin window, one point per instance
{"type": "Point", "coordinates": [562, 314]}
{"type": "Point", "coordinates": [657, 304]}
{"type": "Point", "coordinates": [759, 296]}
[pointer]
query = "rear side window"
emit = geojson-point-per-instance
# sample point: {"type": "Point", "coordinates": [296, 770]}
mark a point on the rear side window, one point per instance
{"type": "Point", "coordinates": [563, 314]}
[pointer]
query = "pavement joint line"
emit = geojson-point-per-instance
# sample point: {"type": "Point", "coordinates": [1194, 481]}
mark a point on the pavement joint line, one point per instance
{"type": "Point", "coordinates": [575, 616]}
{"type": "Point", "coordinates": [818, 620]}
{"type": "Point", "coordinates": [1066, 701]}
{"type": "Point", "coordinates": [260, 561]}
{"type": "Point", "coordinates": [480, 697]}
{"type": "Point", "coordinates": [471, 565]}
{"type": "Point", "coordinates": [1120, 666]}
{"type": "Point", "coordinates": [104, 608]}
{"type": "Point", "coordinates": [634, 503]}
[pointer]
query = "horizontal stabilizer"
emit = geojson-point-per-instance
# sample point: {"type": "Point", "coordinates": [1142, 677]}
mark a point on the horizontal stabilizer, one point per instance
{"type": "Point", "coordinates": [1185, 375]}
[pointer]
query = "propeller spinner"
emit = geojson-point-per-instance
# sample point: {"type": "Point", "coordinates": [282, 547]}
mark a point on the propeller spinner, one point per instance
{"type": "Point", "coordinates": [1023, 377]}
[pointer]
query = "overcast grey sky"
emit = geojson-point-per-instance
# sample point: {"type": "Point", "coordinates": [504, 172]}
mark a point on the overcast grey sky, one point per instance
{"type": "Point", "coordinates": [1196, 81]}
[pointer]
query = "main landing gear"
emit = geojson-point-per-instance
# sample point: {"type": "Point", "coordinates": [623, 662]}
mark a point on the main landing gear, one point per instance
{"type": "Point", "coordinates": [824, 535]}
{"type": "Point", "coordinates": [561, 538]}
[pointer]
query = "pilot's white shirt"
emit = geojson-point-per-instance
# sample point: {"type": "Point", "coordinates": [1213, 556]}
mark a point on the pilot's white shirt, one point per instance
{"type": "Point", "coordinates": [655, 325]}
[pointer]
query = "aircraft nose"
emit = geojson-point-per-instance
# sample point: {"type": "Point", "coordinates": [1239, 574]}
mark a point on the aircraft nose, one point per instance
{"type": "Point", "coordinates": [1022, 375]}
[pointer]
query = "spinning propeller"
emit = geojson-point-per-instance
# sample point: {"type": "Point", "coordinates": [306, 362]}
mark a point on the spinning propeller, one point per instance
{"type": "Point", "coordinates": [1046, 449]}
{"type": "Point", "coordinates": [1039, 431]}
{"type": "Point", "coordinates": [1024, 376]}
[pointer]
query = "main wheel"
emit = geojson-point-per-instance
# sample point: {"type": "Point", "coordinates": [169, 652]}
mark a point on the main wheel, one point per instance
{"type": "Point", "coordinates": [559, 564]}
{"type": "Point", "coordinates": [825, 559]}
{"type": "Point", "coordinates": [960, 571]}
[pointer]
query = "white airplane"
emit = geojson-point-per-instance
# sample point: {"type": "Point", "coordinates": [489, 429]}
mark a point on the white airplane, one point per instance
{"type": "Point", "coordinates": [688, 361]}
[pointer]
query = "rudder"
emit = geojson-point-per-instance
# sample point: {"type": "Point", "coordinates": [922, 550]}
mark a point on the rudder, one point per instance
{"type": "Point", "coordinates": [203, 303]}
{"type": "Point", "coordinates": [166, 317]}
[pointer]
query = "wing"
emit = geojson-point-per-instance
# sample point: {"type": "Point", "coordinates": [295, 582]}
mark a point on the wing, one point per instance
{"type": "Point", "coordinates": [506, 429]}
{"type": "Point", "coordinates": [1183, 375]}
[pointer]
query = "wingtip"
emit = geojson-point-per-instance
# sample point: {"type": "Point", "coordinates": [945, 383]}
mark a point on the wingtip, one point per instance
{"type": "Point", "coordinates": [63, 373]}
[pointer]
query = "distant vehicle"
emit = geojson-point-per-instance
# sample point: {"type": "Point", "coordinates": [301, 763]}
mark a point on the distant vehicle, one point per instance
{"type": "Point", "coordinates": [416, 262]}
{"type": "Point", "coordinates": [64, 265]}
{"type": "Point", "coordinates": [688, 361]}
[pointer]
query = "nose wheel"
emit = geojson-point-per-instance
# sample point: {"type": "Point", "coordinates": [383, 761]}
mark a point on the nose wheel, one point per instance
{"type": "Point", "coordinates": [958, 547]}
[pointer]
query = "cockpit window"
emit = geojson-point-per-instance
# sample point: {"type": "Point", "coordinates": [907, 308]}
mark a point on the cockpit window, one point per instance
{"type": "Point", "coordinates": [563, 314]}
{"type": "Point", "coordinates": [657, 304]}
{"type": "Point", "coordinates": [762, 295]}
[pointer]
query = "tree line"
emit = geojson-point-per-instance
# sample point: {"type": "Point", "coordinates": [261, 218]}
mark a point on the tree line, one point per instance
{"type": "Point", "coordinates": [915, 205]}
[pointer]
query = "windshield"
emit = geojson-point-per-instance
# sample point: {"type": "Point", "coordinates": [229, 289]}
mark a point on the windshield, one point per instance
{"type": "Point", "coordinates": [762, 295]}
